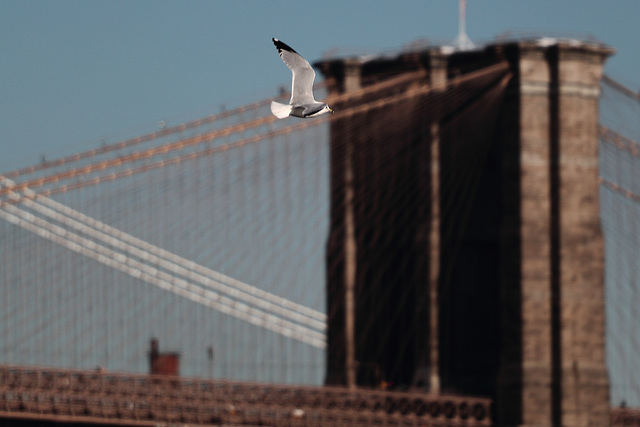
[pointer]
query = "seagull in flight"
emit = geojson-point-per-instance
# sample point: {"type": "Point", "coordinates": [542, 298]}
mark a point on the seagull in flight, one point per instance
{"type": "Point", "coordinates": [302, 103]}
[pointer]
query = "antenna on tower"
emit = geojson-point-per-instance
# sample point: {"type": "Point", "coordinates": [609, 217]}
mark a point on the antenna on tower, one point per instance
{"type": "Point", "coordinates": [463, 42]}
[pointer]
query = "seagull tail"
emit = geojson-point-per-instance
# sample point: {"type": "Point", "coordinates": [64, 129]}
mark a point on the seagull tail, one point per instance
{"type": "Point", "coordinates": [279, 110]}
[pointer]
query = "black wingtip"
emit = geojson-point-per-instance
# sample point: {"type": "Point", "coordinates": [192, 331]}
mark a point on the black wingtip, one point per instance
{"type": "Point", "coordinates": [282, 46]}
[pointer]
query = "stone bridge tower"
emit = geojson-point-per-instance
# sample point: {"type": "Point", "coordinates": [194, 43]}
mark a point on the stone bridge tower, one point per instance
{"type": "Point", "coordinates": [509, 305]}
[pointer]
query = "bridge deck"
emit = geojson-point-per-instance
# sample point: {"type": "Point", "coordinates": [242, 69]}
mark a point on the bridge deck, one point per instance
{"type": "Point", "coordinates": [128, 399]}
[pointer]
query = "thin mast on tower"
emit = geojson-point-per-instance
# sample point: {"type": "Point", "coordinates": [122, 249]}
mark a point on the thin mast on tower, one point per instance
{"type": "Point", "coordinates": [463, 42]}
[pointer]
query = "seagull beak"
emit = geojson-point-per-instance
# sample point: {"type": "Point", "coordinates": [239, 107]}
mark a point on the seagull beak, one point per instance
{"type": "Point", "coordinates": [331, 111]}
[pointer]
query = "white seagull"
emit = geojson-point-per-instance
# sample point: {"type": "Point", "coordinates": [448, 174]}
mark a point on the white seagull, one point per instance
{"type": "Point", "coordinates": [302, 103]}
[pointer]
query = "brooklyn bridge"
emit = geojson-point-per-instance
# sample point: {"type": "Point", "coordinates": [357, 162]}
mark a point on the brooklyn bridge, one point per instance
{"type": "Point", "coordinates": [456, 246]}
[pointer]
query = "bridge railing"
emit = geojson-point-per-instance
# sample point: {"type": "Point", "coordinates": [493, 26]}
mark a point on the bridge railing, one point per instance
{"type": "Point", "coordinates": [52, 393]}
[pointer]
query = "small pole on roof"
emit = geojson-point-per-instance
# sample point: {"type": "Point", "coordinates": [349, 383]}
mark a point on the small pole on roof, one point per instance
{"type": "Point", "coordinates": [463, 42]}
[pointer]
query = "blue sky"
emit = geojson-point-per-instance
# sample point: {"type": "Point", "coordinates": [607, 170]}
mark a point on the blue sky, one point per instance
{"type": "Point", "coordinates": [77, 73]}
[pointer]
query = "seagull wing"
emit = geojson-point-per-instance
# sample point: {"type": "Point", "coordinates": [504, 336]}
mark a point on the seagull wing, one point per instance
{"type": "Point", "coordinates": [303, 74]}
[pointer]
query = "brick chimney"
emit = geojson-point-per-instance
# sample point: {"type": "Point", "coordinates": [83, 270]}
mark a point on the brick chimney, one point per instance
{"type": "Point", "coordinates": [163, 363]}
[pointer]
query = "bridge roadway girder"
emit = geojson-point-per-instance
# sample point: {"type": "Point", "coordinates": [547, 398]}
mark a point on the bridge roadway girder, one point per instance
{"type": "Point", "coordinates": [92, 397]}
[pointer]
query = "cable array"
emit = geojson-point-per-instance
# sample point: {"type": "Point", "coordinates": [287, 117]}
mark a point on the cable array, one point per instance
{"type": "Point", "coordinates": [198, 211]}
{"type": "Point", "coordinates": [619, 153]}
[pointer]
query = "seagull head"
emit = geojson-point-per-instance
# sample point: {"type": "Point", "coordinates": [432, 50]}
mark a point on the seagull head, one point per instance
{"type": "Point", "coordinates": [324, 110]}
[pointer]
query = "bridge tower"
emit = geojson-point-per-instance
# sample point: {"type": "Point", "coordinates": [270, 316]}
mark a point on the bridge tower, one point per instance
{"type": "Point", "coordinates": [494, 291]}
